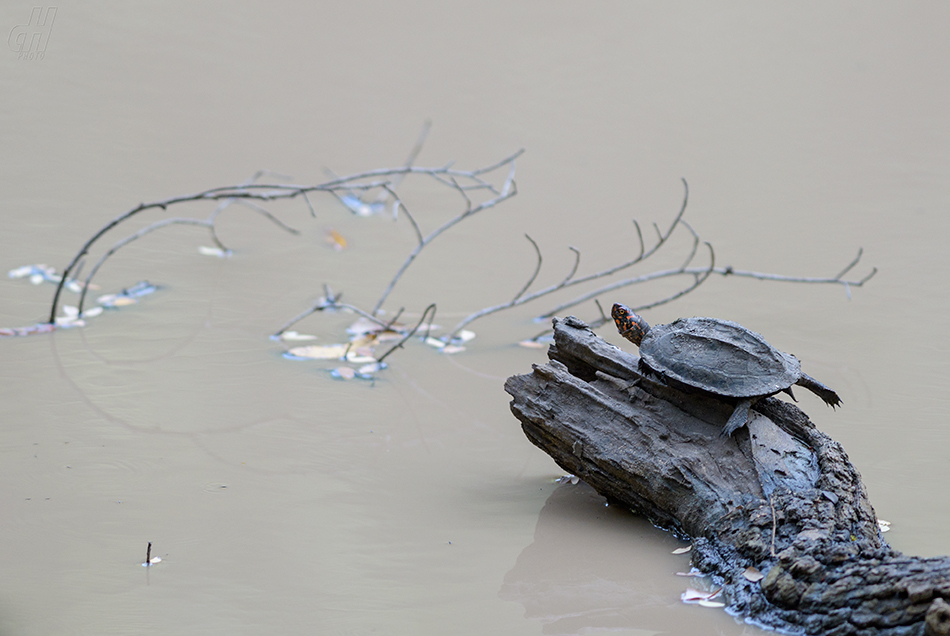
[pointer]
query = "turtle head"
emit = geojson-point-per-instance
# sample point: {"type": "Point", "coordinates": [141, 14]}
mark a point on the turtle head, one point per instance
{"type": "Point", "coordinates": [630, 325]}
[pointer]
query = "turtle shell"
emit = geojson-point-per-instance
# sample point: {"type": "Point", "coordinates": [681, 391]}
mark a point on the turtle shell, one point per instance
{"type": "Point", "coordinates": [718, 356]}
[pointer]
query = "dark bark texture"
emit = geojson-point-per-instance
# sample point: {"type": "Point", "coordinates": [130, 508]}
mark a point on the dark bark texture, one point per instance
{"type": "Point", "coordinates": [779, 495]}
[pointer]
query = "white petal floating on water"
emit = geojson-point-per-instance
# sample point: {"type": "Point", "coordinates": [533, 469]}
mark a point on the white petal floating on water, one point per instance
{"type": "Point", "coordinates": [360, 357]}
{"type": "Point", "coordinates": [683, 550]}
{"type": "Point", "coordinates": [293, 336]}
{"type": "Point", "coordinates": [711, 604]}
{"type": "Point", "coordinates": [344, 373]}
{"type": "Point", "coordinates": [360, 207]}
{"type": "Point", "coordinates": [371, 368]}
{"type": "Point", "coordinates": [67, 322]}
{"type": "Point", "coordinates": [464, 335]}
{"type": "Point", "coordinates": [70, 311]}
{"type": "Point", "coordinates": [752, 574]}
{"type": "Point", "coordinates": [320, 352]}
{"type": "Point", "coordinates": [36, 279]}
{"type": "Point", "coordinates": [885, 526]}
{"type": "Point", "coordinates": [92, 313]}
{"type": "Point", "coordinates": [434, 342]}
{"type": "Point", "coordinates": [20, 272]}
{"type": "Point", "coordinates": [450, 349]}
{"type": "Point", "coordinates": [74, 286]}
{"type": "Point", "coordinates": [213, 251]}
{"type": "Point", "coordinates": [690, 573]}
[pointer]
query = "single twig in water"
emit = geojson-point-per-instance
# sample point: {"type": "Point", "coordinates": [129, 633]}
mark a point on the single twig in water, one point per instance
{"type": "Point", "coordinates": [399, 344]}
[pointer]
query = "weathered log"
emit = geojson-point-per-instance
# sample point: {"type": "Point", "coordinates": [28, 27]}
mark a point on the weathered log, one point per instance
{"type": "Point", "coordinates": [779, 495]}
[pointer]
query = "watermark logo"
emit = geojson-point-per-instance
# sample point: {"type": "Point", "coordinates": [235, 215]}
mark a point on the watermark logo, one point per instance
{"type": "Point", "coordinates": [29, 40]}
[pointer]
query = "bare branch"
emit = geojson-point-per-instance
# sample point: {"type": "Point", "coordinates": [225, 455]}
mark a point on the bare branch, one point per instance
{"type": "Point", "coordinates": [432, 236]}
{"type": "Point", "coordinates": [397, 203]}
{"type": "Point", "coordinates": [399, 344]}
{"type": "Point", "coordinates": [132, 237]}
{"type": "Point", "coordinates": [501, 163]}
{"type": "Point", "coordinates": [577, 261]}
{"type": "Point", "coordinates": [313, 212]}
{"type": "Point", "coordinates": [640, 238]}
{"type": "Point", "coordinates": [537, 269]}
{"type": "Point", "coordinates": [852, 263]}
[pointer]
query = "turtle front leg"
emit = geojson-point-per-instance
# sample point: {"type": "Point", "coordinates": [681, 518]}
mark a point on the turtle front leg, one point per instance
{"type": "Point", "coordinates": [738, 419]}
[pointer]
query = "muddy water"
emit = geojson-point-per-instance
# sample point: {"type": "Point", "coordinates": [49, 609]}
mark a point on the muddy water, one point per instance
{"type": "Point", "coordinates": [280, 499]}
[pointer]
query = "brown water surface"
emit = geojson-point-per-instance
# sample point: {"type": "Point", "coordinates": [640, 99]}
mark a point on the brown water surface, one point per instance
{"type": "Point", "coordinates": [283, 501]}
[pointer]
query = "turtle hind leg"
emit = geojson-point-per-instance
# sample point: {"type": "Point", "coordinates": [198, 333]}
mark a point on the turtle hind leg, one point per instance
{"type": "Point", "coordinates": [738, 419]}
{"type": "Point", "coordinates": [830, 397]}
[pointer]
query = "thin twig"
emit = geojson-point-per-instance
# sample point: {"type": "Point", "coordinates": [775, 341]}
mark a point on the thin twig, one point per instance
{"type": "Point", "coordinates": [432, 236]}
{"type": "Point", "coordinates": [399, 344]}
{"type": "Point", "coordinates": [537, 269]}
{"type": "Point", "coordinates": [128, 239]}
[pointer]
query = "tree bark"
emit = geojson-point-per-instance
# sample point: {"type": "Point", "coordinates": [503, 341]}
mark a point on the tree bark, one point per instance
{"type": "Point", "coordinates": [779, 495]}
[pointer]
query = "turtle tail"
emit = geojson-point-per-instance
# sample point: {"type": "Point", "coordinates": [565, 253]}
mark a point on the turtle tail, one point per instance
{"type": "Point", "coordinates": [830, 397]}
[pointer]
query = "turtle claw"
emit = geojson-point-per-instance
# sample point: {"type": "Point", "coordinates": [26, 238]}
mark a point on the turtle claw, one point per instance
{"type": "Point", "coordinates": [790, 394]}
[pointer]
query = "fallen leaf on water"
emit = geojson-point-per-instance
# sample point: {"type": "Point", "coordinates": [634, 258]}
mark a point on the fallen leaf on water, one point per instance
{"type": "Point", "coordinates": [752, 574]}
{"type": "Point", "coordinates": [320, 352]}
{"type": "Point", "coordinates": [20, 272]}
{"type": "Point", "coordinates": [369, 369]}
{"type": "Point", "coordinates": [293, 335]}
{"type": "Point", "coordinates": [434, 342]}
{"type": "Point", "coordinates": [214, 251]}
{"type": "Point", "coordinates": [43, 327]}
{"type": "Point", "coordinates": [366, 327]}
{"type": "Point", "coordinates": [128, 295]}
{"type": "Point", "coordinates": [683, 550]}
{"type": "Point", "coordinates": [531, 344]}
{"type": "Point", "coordinates": [362, 326]}
{"type": "Point", "coordinates": [695, 596]}
{"type": "Point", "coordinates": [360, 356]}
{"type": "Point", "coordinates": [361, 342]}
{"type": "Point", "coordinates": [345, 373]}
{"type": "Point", "coordinates": [360, 207]}
{"type": "Point", "coordinates": [336, 240]}
{"type": "Point", "coordinates": [67, 322]}
{"type": "Point", "coordinates": [115, 300]}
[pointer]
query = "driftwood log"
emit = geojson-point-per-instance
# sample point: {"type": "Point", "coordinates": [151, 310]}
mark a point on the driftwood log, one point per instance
{"type": "Point", "coordinates": [779, 495]}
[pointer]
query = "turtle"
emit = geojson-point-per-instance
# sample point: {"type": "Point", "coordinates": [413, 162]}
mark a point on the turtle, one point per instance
{"type": "Point", "coordinates": [719, 357]}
